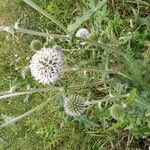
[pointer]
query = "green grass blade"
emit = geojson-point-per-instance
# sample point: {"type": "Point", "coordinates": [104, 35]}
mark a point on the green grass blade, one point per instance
{"type": "Point", "coordinates": [36, 7]}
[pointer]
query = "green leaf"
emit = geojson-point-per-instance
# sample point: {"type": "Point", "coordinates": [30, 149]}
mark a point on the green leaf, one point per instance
{"type": "Point", "coordinates": [134, 69]}
{"type": "Point", "coordinates": [88, 123]}
{"type": "Point", "coordinates": [143, 102]}
{"type": "Point", "coordinates": [140, 101]}
{"type": "Point", "coordinates": [73, 27]}
{"type": "Point", "coordinates": [145, 21]}
{"type": "Point", "coordinates": [132, 96]}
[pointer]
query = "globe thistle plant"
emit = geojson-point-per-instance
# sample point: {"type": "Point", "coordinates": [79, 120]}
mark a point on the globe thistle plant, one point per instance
{"type": "Point", "coordinates": [47, 65]}
{"type": "Point", "coordinates": [117, 111]}
{"type": "Point", "coordinates": [74, 105]}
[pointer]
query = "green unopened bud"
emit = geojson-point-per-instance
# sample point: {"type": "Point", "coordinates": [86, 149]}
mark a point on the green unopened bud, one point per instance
{"type": "Point", "coordinates": [117, 112]}
{"type": "Point", "coordinates": [36, 45]}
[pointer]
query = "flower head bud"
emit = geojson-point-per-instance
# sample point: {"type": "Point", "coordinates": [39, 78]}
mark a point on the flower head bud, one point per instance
{"type": "Point", "coordinates": [83, 33]}
{"type": "Point", "coordinates": [36, 45]}
{"type": "Point", "coordinates": [117, 112]}
{"type": "Point", "coordinates": [74, 105]}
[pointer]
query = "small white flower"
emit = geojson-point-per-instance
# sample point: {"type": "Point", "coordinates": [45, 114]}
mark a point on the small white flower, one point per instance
{"type": "Point", "coordinates": [83, 33]}
{"type": "Point", "coordinates": [74, 105]}
{"type": "Point", "coordinates": [47, 65]}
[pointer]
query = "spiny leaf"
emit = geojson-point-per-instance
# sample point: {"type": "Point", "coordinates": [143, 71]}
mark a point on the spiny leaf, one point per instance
{"type": "Point", "coordinates": [133, 68]}
{"type": "Point", "coordinates": [132, 96]}
{"type": "Point", "coordinates": [73, 27]}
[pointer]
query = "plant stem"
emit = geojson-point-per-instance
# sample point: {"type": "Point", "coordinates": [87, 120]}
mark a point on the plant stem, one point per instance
{"type": "Point", "coordinates": [105, 99]}
{"type": "Point", "coordinates": [2, 28]}
{"type": "Point", "coordinates": [41, 33]}
{"type": "Point", "coordinates": [90, 84]}
{"type": "Point", "coordinates": [36, 7]}
{"type": "Point", "coordinates": [7, 94]}
{"type": "Point", "coordinates": [28, 92]}
{"type": "Point", "coordinates": [111, 48]}
{"type": "Point", "coordinates": [32, 32]}
{"type": "Point", "coordinates": [4, 93]}
{"type": "Point", "coordinates": [94, 69]}
{"type": "Point", "coordinates": [28, 112]}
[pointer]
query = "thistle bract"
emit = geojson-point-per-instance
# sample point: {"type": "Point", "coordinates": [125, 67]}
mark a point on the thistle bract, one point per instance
{"type": "Point", "coordinates": [47, 65]}
{"type": "Point", "coordinates": [74, 105]}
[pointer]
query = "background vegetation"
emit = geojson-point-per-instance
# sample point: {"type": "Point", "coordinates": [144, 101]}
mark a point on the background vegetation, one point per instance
{"type": "Point", "coordinates": [51, 128]}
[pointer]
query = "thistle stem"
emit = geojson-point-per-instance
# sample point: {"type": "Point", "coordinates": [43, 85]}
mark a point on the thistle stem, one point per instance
{"type": "Point", "coordinates": [27, 113]}
{"type": "Point", "coordinates": [94, 69]}
{"type": "Point", "coordinates": [36, 7]}
{"type": "Point", "coordinates": [7, 94]}
{"type": "Point", "coordinates": [111, 48]}
{"type": "Point", "coordinates": [26, 31]}
{"type": "Point", "coordinates": [90, 84]}
{"type": "Point", "coordinates": [93, 102]}
{"type": "Point", "coordinates": [28, 92]}
{"type": "Point", "coordinates": [2, 28]}
{"type": "Point", "coordinates": [32, 32]}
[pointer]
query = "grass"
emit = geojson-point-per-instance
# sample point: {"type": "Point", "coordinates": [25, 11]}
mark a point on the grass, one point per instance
{"type": "Point", "coordinates": [114, 45]}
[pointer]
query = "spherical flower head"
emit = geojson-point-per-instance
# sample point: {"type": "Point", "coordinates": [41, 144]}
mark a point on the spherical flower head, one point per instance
{"type": "Point", "coordinates": [74, 105]}
{"type": "Point", "coordinates": [117, 112]}
{"type": "Point", "coordinates": [82, 33]}
{"type": "Point", "coordinates": [47, 65]}
{"type": "Point", "coordinates": [36, 45]}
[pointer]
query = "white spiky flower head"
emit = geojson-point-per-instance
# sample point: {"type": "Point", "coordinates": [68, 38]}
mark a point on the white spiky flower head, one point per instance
{"type": "Point", "coordinates": [83, 33]}
{"type": "Point", "coordinates": [74, 105]}
{"type": "Point", "coordinates": [47, 65]}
